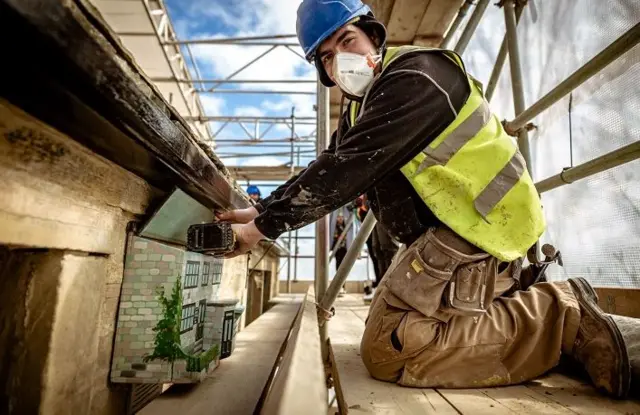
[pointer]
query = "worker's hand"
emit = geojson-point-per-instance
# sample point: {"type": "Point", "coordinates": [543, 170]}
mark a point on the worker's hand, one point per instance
{"type": "Point", "coordinates": [247, 236]}
{"type": "Point", "coordinates": [238, 215]}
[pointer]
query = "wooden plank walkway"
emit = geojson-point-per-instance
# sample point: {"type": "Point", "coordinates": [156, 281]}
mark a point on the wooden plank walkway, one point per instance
{"type": "Point", "coordinates": [551, 394]}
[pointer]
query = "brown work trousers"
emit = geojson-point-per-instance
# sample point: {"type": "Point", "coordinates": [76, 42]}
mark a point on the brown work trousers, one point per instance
{"type": "Point", "coordinates": [445, 315]}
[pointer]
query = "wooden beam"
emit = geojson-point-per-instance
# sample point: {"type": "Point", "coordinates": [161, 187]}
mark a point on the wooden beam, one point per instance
{"type": "Point", "coordinates": [405, 20]}
{"type": "Point", "coordinates": [620, 301]}
{"type": "Point", "coordinates": [436, 21]}
{"type": "Point", "coordinates": [381, 9]}
{"type": "Point", "coordinates": [79, 55]}
{"type": "Point", "coordinates": [299, 385]}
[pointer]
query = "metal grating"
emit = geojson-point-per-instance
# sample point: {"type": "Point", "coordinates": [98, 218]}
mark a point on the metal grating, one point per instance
{"type": "Point", "coordinates": [141, 395]}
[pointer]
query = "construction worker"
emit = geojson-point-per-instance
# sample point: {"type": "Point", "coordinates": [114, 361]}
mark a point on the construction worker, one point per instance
{"type": "Point", "coordinates": [446, 181]}
{"type": "Point", "coordinates": [339, 249]}
{"type": "Point", "coordinates": [254, 193]}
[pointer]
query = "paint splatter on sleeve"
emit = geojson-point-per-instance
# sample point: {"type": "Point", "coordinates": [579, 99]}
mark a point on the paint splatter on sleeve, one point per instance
{"type": "Point", "coordinates": [404, 112]}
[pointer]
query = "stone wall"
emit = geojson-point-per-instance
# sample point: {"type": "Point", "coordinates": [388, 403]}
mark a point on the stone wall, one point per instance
{"type": "Point", "coordinates": [67, 211]}
{"type": "Point", "coordinates": [65, 204]}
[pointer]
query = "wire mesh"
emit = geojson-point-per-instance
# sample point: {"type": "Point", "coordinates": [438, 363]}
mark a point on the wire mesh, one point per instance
{"type": "Point", "coordinates": [594, 222]}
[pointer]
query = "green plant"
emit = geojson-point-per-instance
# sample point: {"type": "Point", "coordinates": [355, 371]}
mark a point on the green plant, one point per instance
{"type": "Point", "coordinates": [201, 361]}
{"type": "Point", "coordinates": [167, 340]}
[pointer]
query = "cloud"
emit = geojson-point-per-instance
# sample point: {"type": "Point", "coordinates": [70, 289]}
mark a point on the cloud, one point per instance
{"type": "Point", "coordinates": [254, 18]}
{"type": "Point", "coordinates": [263, 161]}
{"type": "Point", "coordinates": [254, 161]}
{"type": "Point", "coordinates": [247, 111]}
{"type": "Point", "coordinates": [213, 105]}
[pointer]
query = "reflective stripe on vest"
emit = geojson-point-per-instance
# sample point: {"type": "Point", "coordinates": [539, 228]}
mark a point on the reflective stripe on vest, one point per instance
{"type": "Point", "coordinates": [472, 176]}
{"type": "Point", "coordinates": [501, 184]}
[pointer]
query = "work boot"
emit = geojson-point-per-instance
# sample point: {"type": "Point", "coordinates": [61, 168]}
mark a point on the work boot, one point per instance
{"type": "Point", "coordinates": [630, 329]}
{"type": "Point", "coordinates": [599, 346]}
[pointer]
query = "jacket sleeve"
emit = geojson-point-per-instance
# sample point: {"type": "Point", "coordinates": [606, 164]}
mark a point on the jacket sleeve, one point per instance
{"type": "Point", "coordinates": [280, 190]}
{"type": "Point", "coordinates": [404, 112]}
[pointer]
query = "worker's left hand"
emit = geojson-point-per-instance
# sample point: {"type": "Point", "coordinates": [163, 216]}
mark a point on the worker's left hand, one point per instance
{"type": "Point", "coordinates": [247, 236]}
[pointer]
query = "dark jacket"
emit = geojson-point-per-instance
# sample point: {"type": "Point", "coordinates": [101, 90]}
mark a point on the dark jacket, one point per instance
{"type": "Point", "coordinates": [413, 101]}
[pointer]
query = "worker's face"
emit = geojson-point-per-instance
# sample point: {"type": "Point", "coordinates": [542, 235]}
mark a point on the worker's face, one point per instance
{"type": "Point", "coordinates": [348, 38]}
{"type": "Point", "coordinates": [340, 219]}
{"type": "Point", "coordinates": [254, 196]}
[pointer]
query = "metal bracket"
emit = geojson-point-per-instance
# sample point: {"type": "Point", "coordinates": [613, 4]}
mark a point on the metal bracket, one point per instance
{"type": "Point", "coordinates": [552, 255]}
{"type": "Point", "coordinates": [324, 315]}
{"type": "Point", "coordinates": [514, 133]}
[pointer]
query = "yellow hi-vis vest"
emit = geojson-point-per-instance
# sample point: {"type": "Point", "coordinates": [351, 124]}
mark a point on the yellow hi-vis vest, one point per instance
{"type": "Point", "coordinates": [472, 176]}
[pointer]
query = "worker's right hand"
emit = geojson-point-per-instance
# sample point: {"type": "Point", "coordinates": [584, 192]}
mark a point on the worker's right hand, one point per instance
{"type": "Point", "coordinates": [238, 215]}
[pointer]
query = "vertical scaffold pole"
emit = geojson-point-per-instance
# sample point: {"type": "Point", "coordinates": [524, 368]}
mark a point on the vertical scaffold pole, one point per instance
{"type": "Point", "coordinates": [516, 78]}
{"type": "Point", "coordinates": [322, 226]}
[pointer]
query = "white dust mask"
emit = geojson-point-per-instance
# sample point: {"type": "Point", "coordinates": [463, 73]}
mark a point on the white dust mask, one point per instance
{"type": "Point", "coordinates": [354, 72]}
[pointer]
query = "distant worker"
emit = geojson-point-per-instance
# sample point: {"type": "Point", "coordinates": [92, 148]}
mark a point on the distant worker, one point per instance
{"type": "Point", "coordinates": [254, 193]}
{"type": "Point", "coordinates": [339, 249]}
{"type": "Point", "coordinates": [420, 139]}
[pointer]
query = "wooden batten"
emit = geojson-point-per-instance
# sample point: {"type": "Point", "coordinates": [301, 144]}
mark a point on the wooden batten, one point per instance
{"type": "Point", "coordinates": [620, 301]}
{"type": "Point", "coordinates": [405, 20]}
{"type": "Point", "coordinates": [298, 386]}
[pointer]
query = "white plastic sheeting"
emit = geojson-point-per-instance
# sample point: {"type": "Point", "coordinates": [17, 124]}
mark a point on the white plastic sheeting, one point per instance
{"type": "Point", "coordinates": [594, 222]}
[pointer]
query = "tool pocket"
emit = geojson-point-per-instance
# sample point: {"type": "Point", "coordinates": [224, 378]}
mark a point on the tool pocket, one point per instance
{"type": "Point", "coordinates": [419, 284]}
{"type": "Point", "coordinates": [471, 289]}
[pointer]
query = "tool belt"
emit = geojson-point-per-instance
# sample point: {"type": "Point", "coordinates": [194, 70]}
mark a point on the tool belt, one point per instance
{"type": "Point", "coordinates": [442, 271]}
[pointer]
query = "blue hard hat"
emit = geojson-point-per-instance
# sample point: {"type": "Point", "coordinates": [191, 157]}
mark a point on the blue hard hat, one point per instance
{"type": "Point", "coordinates": [318, 19]}
{"type": "Point", "coordinates": [253, 190]}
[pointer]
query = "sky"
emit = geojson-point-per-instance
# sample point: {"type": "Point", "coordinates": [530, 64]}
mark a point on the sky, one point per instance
{"type": "Point", "coordinates": [196, 19]}
{"type": "Point", "coordinates": [199, 19]}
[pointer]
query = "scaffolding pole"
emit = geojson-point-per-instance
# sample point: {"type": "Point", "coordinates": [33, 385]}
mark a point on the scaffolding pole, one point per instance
{"type": "Point", "coordinates": [236, 118]}
{"type": "Point", "coordinates": [595, 65]}
{"type": "Point", "coordinates": [229, 40]}
{"type": "Point", "coordinates": [456, 23]}
{"type": "Point", "coordinates": [293, 139]}
{"type": "Point", "coordinates": [245, 66]}
{"type": "Point", "coordinates": [234, 81]}
{"type": "Point", "coordinates": [295, 258]}
{"type": "Point", "coordinates": [251, 91]}
{"type": "Point", "coordinates": [608, 161]}
{"type": "Point", "coordinates": [516, 78]}
{"type": "Point", "coordinates": [471, 26]}
{"type": "Point", "coordinates": [350, 258]}
{"type": "Point", "coordinates": [211, 42]}
{"type": "Point", "coordinates": [289, 263]}
{"type": "Point", "coordinates": [321, 274]}
{"type": "Point", "coordinates": [502, 56]}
